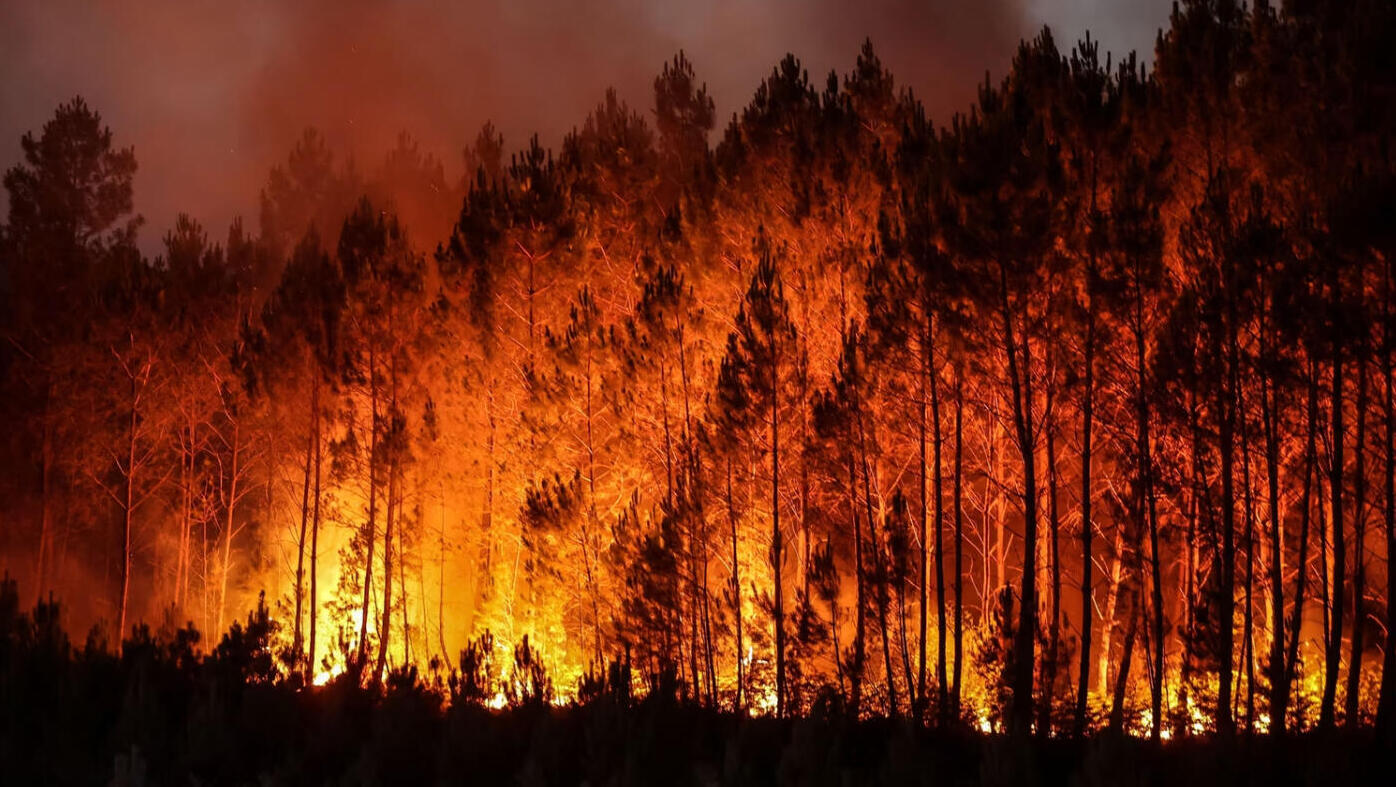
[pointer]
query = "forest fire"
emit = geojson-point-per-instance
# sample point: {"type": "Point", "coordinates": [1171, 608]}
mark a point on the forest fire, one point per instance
{"type": "Point", "coordinates": [1068, 419]}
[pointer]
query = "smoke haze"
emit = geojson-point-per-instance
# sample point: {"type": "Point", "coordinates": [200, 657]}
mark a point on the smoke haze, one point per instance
{"type": "Point", "coordinates": [211, 94]}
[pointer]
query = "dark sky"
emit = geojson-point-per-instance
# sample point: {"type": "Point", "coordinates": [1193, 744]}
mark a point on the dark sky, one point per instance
{"type": "Point", "coordinates": [211, 94]}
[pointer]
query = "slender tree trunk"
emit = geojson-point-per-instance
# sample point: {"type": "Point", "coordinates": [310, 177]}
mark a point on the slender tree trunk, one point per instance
{"type": "Point", "coordinates": [880, 569]}
{"type": "Point", "coordinates": [1117, 705]}
{"type": "Point", "coordinates": [736, 587]}
{"type": "Point", "coordinates": [1113, 593]}
{"type": "Point", "coordinates": [954, 713]}
{"type": "Point", "coordinates": [371, 536]}
{"type": "Point", "coordinates": [860, 618]}
{"type": "Point", "coordinates": [1083, 679]}
{"type": "Point", "coordinates": [903, 643]}
{"type": "Point", "coordinates": [441, 576]}
{"type": "Point", "coordinates": [918, 709]}
{"type": "Point", "coordinates": [1359, 568]}
{"type": "Point", "coordinates": [231, 506]}
{"type": "Point", "coordinates": [588, 547]}
{"type": "Point", "coordinates": [1386, 701]}
{"type": "Point", "coordinates": [709, 657]}
{"type": "Point", "coordinates": [385, 621]}
{"type": "Point", "coordinates": [1020, 381]}
{"type": "Point", "coordinates": [805, 539]}
{"type": "Point", "coordinates": [402, 577]}
{"type": "Point", "coordinates": [696, 481]}
{"type": "Point", "coordinates": [777, 558]}
{"type": "Point", "coordinates": [1305, 513]}
{"type": "Point", "coordinates": [203, 565]}
{"type": "Point", "coordinates": [1226, 407]}
{"type": "Point", "coordinates": [1149, 509]}
{"type": "Point", "coordinates": [1325, 569]}
{"type": "Point", "coordinates": [1279, 680]}
{"type": "Point", "coordinates": [128, 509]}
{"type": "Point", "coordinates": [1248, 612]}
{"type": "Point", "coordinates": [389, 520]}
{"type": "Point", "coordinates": [300, 540]}
{"type": "Point", "coordinates": [1200, 507]}
{"type": "Point", "coordinates": [694, 616]}
{"type": "Point", "coordinates": [186, 507]}
{"type": "Point", "coordinates": [939, 496]}
{"type": "Point", "coordinates": [315, 529]}
{"type": "Point", "coordinates": [1049, 659]}
{"type": "Point", "coordinates": [1187, 592]}
{"type": "Point", "coordinates": [1334, 645]}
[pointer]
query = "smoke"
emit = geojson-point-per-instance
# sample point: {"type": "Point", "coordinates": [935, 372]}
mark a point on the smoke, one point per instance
{"type": "Point", "coordinates": [211, 94]}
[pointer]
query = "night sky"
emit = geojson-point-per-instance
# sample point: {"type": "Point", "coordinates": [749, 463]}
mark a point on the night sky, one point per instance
{"type": "Point", "coordinates": [211, 94]}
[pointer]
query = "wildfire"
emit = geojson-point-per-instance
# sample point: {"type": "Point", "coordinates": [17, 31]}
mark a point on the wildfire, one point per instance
{"type": "Point", "coordinates": [720, 415]}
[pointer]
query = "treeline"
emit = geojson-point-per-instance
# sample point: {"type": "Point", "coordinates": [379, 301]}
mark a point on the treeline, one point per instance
{"type": "Point", "coordinates": [1071, 411]}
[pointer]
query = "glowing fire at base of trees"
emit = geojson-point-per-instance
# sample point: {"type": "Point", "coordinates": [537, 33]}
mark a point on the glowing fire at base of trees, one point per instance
{"type": "Point", "coordinates": [1071, 413]}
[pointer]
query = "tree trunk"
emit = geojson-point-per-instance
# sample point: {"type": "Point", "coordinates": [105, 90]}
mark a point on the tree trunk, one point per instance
{"type": "Point", "coordinates": [1279, 681]}
{"type": "Point", "coordinates": [1108, 621]}
{"type": "Point", "coordinates": [938, 491]}
{"type": "Point", "coordinates": [186, 512]}
{"type": "Point", "coordinates": [860, 617]}
{"type": "Point", "coordinates": [1305, 513]}
{"type": "Point", "coordinates": [300, 539]}
{"type": "Point", "coordinates": [1386, 701]}
{"type": "Point", "coordinates": [402, 579]}
{"type": "Point", "coordinates": [385, 628]}
{"type": "Point", "coordinates": [1149, 509]}
{"type": "Point", "coordinates": [231, 507]}
{"type": "Point", "coordinates": [1020, 381]}
{"type": "Point", "coordinates": [918, 709]}
{"type": "Point", "coordinates": [1226, 406]}
{"type": "Point", "coordinates": [1199, 507]}
{"type": "Point", "coordinates": [1049, 658]}
{"type": "Point", "coordinates": [1248, 613]}
{"type": "Point", "coordinates": [127, 511]}
{"type": "Point", "coordinates": [776, 545]}
{"type": "Point", "coordinates": [371, 536]}
{"type": "Point", "coordinates": [736, 588]}
{"type": "Point", "coordinates": [880, 570]}
{"type": "Point", "coordinates": [1117, 704]}
{"type": "Point", "coordinates": [315, 530]}
{"type": "Point", "coordinates": [1359, 538]}
{"type": "Point", "coordinates": [441, 576]}
{"type": "Point", "coordinates": [954, 713]}
{"type": "Point", "coordinates": [1083, 679]}
{"type": "Point", "coordinates": [1334, 645]}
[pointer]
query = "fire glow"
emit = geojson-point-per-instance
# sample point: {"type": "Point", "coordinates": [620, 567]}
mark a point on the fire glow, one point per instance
{"type": "Point", "coordinates": [1072, 413]}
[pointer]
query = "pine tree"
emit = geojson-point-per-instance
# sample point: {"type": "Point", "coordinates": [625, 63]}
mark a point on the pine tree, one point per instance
{"type": "Point", "coordinates": [762, 353]}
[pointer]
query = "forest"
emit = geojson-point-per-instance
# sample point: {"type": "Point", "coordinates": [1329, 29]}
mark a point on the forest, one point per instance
{"type": "Point", "coordinates": [1052, 437]}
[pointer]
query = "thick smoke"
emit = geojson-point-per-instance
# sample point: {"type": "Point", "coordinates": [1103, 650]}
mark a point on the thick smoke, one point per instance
{"type": "Point", "coordinates": [211, 94]}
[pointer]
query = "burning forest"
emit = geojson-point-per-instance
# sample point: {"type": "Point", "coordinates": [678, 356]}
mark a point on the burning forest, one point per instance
{"type": "Point", "coordinates": [1050, 438]}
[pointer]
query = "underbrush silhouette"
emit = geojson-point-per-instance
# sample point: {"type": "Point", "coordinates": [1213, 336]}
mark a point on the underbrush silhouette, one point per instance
{"type": "Point", "coordinates": [163, 711]}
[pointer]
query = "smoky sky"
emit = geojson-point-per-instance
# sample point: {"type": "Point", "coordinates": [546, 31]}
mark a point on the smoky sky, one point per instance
{"type": "Point", "coordinates": [212, 94]}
